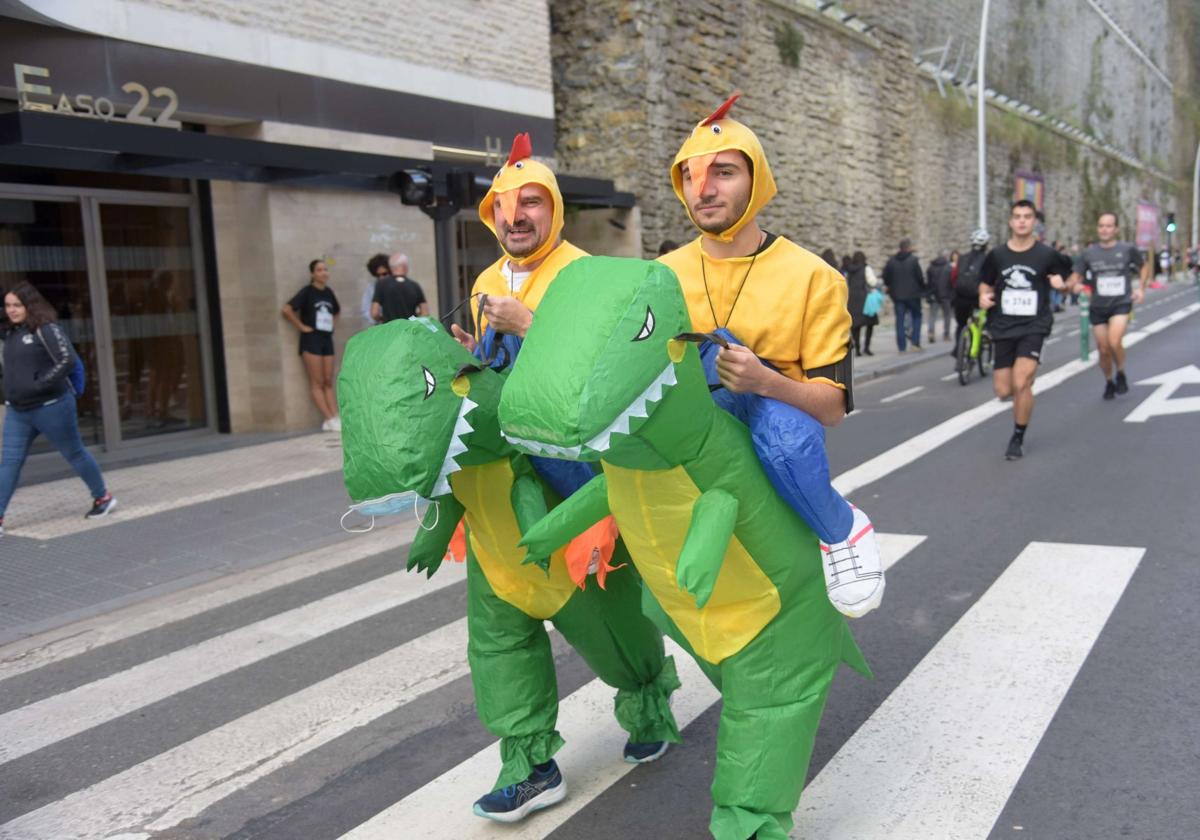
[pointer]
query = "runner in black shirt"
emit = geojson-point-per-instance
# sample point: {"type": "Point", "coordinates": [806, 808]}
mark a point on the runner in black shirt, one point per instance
{"type": "Point", "coordinates": [1014, 287]}
{"type": "Point", "coordinates": [313, 311]}
{"type": "Point", "coordinates": [1109, 269]}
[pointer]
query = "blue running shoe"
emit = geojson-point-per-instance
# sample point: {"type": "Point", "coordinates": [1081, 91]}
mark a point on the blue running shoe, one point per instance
{"type": "Point", "coordinates": [515, 802]}
{"type": "Point", "coordinates": [644, 753]}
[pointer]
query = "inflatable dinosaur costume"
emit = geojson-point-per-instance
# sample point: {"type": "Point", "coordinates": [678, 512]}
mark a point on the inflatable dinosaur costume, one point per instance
{"type": "Point", "coordinates": [419, 415]}
{"type": "Point", "coordinates": [730, 571]}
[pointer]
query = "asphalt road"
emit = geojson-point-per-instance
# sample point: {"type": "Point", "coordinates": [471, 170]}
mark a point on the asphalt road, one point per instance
{"type": "Point", "coordinates": [1035, 658]}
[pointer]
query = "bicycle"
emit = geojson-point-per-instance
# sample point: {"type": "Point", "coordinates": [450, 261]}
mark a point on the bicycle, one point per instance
{"type": "Point", "coordinates": [974, 348]}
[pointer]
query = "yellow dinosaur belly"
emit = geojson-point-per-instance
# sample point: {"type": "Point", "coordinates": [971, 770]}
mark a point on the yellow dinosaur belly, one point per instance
{"type": "Point", "coordinates": [486, 493]}
{"type": "Point", "coordinates": [653, 510]}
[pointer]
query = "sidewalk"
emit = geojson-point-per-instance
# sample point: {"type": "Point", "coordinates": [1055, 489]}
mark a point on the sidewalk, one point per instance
{"type": "Point", "coordinates": [178, 522]}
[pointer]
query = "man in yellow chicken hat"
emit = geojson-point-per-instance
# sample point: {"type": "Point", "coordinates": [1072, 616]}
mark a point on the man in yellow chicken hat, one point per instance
{"type": "Point", "coordinates": [524, 209]}
{"type": "Point", "coordinates": [511, 661]}
{"type": "Point", "coordinates": [780, 330]}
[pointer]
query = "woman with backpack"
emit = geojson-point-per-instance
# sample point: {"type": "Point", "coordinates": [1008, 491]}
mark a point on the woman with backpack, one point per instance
{"type": "Point", "coordinates": [37, 361]}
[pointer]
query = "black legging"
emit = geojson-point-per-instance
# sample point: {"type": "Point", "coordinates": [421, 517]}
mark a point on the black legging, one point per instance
{"type": "Point", "coordinates": [854, 334]}
{"type": "Point", "coordinates": [963, 307]}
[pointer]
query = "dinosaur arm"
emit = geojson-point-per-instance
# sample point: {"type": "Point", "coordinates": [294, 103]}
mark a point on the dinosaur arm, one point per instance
{"type": "Point", "coordinates": [713, 518]}
{"type": "Point", "coordinates": [529, 505]}
{"type": "Point", "coordinates": [429, 545]}
{"type": "Point", "coordinates": [585, 507]}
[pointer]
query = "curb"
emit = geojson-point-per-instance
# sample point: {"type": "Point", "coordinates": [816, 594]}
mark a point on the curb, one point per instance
{"type": "Point", "coordinates": [899, 365]}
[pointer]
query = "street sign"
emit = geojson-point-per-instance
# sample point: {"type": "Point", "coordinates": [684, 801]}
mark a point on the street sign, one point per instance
{"type": "Point", "coordinates": [1160, 402]}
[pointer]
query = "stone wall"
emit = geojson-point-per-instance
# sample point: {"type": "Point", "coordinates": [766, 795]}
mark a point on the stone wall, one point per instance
{"type": "Point", "coordinates": [864, 149]}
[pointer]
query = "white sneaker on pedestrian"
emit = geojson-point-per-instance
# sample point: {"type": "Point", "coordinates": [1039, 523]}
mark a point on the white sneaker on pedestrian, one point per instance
{"type": "Point", "coordinates": [325, 426]}
{"type": "Point", "coordinates": [854, 569]}
{"type": "Point", "coordinates": [335, 424]}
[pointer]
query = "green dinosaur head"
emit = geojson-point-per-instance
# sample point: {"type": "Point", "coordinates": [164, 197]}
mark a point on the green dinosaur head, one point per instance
{"type": "Point", "coordinates": [599, 362]}
{"type": "Point", "coordinates": [407, 419]}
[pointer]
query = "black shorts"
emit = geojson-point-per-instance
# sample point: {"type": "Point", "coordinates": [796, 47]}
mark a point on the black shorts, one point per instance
{"type": "Point", "coordinates": [1006, 350]}
{"type": "Point", "coordinates": [1100, 315]}
{"type": "Point", "coordinates": [318, 343]}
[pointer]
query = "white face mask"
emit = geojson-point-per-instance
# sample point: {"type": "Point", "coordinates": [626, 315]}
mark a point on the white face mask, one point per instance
{"type": "Point", "coordinates": [389, 505]}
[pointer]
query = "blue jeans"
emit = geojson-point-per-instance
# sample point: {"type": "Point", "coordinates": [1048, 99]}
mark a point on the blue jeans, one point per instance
{"type": "Point", "coordinates": [60, 424]}
{"type": "Point", "coordinates": [908, 310]}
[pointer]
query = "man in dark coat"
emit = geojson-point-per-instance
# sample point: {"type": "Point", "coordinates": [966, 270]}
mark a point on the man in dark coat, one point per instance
{"type": "Point", "coordinates": [905, 284]}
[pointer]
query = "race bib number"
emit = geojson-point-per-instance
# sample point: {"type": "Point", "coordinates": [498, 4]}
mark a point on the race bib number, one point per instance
{"type": "Point", "coordinates": [1110, 285]}
{"type": "Point", "coordinates": [1019, 302]}
{"type": "Point", "coordinates": [324, 320]}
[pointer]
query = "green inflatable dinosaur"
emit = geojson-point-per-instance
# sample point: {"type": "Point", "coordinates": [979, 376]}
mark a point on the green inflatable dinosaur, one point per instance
{"type": "Point", "coordinates": [729, 570]}
{"type": "Point", "coordinates": [409, 425]}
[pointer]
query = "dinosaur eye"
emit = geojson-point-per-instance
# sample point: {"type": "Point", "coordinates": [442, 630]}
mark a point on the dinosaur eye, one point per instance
{"type": "Point", "coordinates": [716, 129]}
{"type": "Point", "coordinates": [519, 164]}
{"type": "Point", "coordinates": [430, 382]}
{"type": "Point", "coordinates": [647, 326]}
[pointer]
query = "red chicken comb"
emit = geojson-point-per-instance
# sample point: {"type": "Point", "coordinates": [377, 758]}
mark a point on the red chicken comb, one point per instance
{"type": "Point", "coordinates": [522, 148]}
{"type": "Point", "coordinates": [720, 113]}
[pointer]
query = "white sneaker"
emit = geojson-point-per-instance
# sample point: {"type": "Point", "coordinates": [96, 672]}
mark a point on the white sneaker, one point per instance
{"type": "Point", "coordinates": [854, 569]}
{"type": "Point", "coordinates": [327, 426]}
{"type": "Point", "coordinates": [335, 424]}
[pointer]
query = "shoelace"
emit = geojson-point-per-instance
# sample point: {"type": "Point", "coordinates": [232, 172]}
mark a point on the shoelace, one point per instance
{"type": "Point", "coordinates": [850, 556]}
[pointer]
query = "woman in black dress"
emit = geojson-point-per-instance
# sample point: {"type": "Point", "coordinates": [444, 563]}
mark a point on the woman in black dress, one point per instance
{"type": "Point", "coordinates": [313, 311]}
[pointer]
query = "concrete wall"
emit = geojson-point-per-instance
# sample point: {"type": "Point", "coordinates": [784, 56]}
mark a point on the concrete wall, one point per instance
{"type": "Point", "coordinates": [460, 35]}
{"type": "Point", "coordinates": [265, 238]}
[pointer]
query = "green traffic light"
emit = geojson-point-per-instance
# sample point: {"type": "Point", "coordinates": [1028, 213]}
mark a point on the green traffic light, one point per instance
{"type": "Point", "coordinates": [1171, 223]}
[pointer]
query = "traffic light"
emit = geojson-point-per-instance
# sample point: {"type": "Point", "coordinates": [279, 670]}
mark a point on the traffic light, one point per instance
{"type": "Point", "coordinates": [1171, 223]}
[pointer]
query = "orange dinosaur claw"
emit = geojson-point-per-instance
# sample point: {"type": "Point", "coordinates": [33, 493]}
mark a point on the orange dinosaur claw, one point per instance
{"type": "Point", "coordinates": [591, 551]}
{"type": "Point", "coordinates": [456, 551]}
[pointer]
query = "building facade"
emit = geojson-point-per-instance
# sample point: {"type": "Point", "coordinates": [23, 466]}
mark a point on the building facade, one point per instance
{"type": "Point", "coordinates": [168, 169]}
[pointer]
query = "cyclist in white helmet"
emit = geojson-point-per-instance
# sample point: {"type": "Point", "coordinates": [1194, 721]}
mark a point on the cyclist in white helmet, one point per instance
{"type": "Point", "coordinates": [966, 283]}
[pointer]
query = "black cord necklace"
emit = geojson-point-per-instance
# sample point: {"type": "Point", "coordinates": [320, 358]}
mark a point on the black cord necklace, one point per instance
{"type": "Point", "coordinates": [745, 277]}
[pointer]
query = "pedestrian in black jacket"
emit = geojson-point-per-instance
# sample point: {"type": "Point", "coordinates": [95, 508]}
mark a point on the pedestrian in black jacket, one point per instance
{"type": "Point", "coordinates": [36, 361]}
{"type": "Point", "coordinates": [941, 293]}
{"type": "Point", "coordinates": [856, 282]}
{"type": "Point", "coordinates": [905, 284]}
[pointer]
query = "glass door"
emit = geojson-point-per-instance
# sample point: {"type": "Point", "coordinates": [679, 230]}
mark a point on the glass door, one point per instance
{"type": "Point", "coordinates": [154, 307]}
{"type": "Point", "coordinates": [122, 271]}
{"type": "Point", "coordinates": [43, 242]}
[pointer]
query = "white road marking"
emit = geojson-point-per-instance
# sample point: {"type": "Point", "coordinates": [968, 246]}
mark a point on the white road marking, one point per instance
{"type": "Point", "coordinates": [943, 753]}
{"type": "Point", "coordinates": [915, 447]}
{"type": "Point", "coordinates": [180, 783]}
{"type": "Point", "coordinates": [1072, 333]}
{"type": "Point", "coordinates": [82, 636]}
{"type": "Point", "coordinates": [591, 760]}
{"type": "Point", "coordinates": [24, 729]}
{"type": "Point", "coordinates": [902, 394]}
{"type": "Point", "coordinates": [1050, 341]}
{"type": "Point", "coordinates": [1161, 402]}
{"type": "Point", "coordinates": [950, 376]}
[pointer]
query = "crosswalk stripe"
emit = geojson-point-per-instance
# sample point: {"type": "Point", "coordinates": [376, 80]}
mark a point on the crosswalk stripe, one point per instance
{"type": "Point", "coordinates": [82, 636]}
{"type": "Point", "coordinates": [590, 760]}
{"type": "Point", "coordinates": [943, 753]}
{"type": "Point", "coordinates": [22, 732]}
{"type": "Point", "coordinates": [180, 783]}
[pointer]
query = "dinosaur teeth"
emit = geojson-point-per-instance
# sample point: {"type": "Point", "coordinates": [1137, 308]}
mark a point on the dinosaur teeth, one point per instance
{"type": "Point", "coordinates": [636, 409]}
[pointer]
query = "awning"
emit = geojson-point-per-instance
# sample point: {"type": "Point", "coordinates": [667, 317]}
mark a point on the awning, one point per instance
{"type": "Point", "coordinates": [55, 141]}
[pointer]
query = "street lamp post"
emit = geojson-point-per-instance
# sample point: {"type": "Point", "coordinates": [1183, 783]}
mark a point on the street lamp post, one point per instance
{"type": "Point", "coordinates": [980, 104]}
